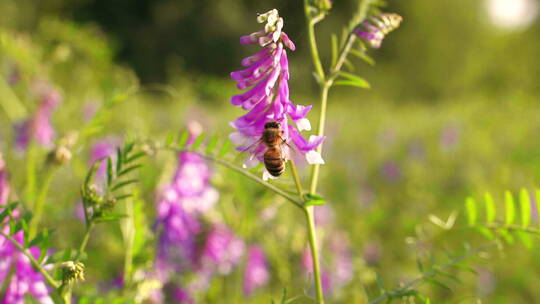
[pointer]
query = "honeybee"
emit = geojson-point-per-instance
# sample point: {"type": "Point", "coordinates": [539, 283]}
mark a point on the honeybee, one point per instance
{"type": "Point", "coordinates": [272, 138]}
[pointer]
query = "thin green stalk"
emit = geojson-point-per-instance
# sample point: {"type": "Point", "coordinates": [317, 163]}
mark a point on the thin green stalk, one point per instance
{"type": "Point", "coordinates": [40, 202]}
{"type": "Point", "coordinates": [310, 24]}
{"type": "Point", "coordinates": [85, 239]}
{"type": "Point", "coordinates": [296, 178]}
{"type": "Point", "coordinates": [129, 237]}
{"type": "Point", "coordinates": [320, 132]}
{"type": "Point", "coordinates": [312, 237]}
{"type": "Point", "coordinates": [249, 175]}
{"type": "Point", "coordinates": [31, 174]}
{"type": "Point", "coordinates": [33, 261]}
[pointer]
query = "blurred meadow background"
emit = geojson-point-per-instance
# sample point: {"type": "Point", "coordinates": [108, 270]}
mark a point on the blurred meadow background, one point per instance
{"type": "Point", "coordinates": [451, 113]}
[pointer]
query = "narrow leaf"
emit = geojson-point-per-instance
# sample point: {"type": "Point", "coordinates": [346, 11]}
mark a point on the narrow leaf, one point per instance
{"type": "Point", "coordinates": [526, 239]}
{"type": "Point", "coordinates": [134, 157]}
{"type": "Point", "coordinates": [225, 148]}
{"type": "Point", "coordinates": [198, 141]}
{"type": "Point", "coordinates": [509, 208]}
{"type": "Point", "coordinates": [109, 171]}
{"type": "Point", "coordinates": [183, 139]}
{"type": "Point", "coordinates": [129, 169]}
{"type": "Point", "coordinates": [169, 139]}
{"type": "Point", "coordinates": [470, 205]}
{"type": "Point", "coordinates": [125, 196]}
{"type": "Point", "coordinates": [525, 206]}
{"type": "Point", "coordinates": [357, 79]}
{"type": "Point", "coordinates": [122, 184]}
{"type": "Point", "coordinates": [490, 208]}
{"type": "Point", "coordinates": [110, 217]}
{"type": "Point", "coordinates": [211, 144]}
{"type": "Point", "coordinates": [438, 283]}
{"type": "Point", "coordinates": [315, 203]}
{"type": "Point", "coordinates": [363, 56]}
{"type": "Point", "coordinates": [128, 147]}
{"type": "Point", "coordinates": [119, 160]}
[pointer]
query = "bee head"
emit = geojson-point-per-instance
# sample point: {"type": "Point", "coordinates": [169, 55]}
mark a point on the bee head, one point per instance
{"type": "Point", "coordinates": [272, 125]}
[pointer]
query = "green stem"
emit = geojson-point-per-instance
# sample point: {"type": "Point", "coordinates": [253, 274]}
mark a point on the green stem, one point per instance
{"type": "Point", "coordinates": [40, 202]}
{"type": "Point", "coordinates": [320, 132]}
{"type": "Point", "coordinates": [33, 261]}
{"type": "Point", "coordinates": [129, 236]}
{"type": "Point", "coordinates": [85, 239]}
{"type": "Point", "coordinates": [296, 178]}
{"type": "Point", "coordinates": [310, 24]}
{"type": "Point", "coordinates": [312, 237]}
{"type": "Point", "coordinates": [248, 174]}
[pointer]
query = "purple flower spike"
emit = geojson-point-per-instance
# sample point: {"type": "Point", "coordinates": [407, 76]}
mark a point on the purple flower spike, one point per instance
{"type": "Point", "coordinates": [188, 195]}
{"type": "Point", "coordinates": [256, 274]}
{"type": "Point", "coordinates": [266, 79]}
{"type": "Point", "coordinates": [374, 30]}
{"type": "Point", "coordinates": [38, 127]}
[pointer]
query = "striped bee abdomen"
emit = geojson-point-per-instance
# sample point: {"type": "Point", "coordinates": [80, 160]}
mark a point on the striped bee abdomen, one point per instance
{"type": "Point", "coordinates": [274, 162]}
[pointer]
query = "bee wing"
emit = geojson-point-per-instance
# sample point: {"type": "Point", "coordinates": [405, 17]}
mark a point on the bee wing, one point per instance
{"type": "Point", "coordinates": [289, 151]}
{"type": "Point", "coordinates": [252, 148]}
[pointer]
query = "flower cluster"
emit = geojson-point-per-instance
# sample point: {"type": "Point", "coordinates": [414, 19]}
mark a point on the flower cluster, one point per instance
{"type": "Point", "coordinates": [38, 127]}
{"type": "Point", "coordinates": [256, 273]}
{"type": "Point", "coordinates": [184, 242]}
{"type": "Point", "coordinates": [15, 267]}
{"type": "Point", "coordinates": [267, 75]}
{"type": "Point", "coordinates": [373, 30]}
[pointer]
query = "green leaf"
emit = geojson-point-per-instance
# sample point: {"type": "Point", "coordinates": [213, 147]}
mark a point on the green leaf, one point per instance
{"type": "Point", "coordinates": [334, 41]}
{"type": "Point", "coordinates": [490, 208]}
{"type": "Point", "coordinates": [486, 232]}
{"type": "Point", "coordinates": [211, 144]}
{"type": "Point", "coordinates": [125, 196]}
{"type": "Point", "coordinates": [119, 160]}
{"type": "Point", "coordinates": [354, 80]}
{"type": "Point", "coordinates": [38, 239]}
{"type": "Point", "coordinates": [472, 214]}
{"type": "Point", "coordinates": [91, 173]}
{"type": "Point", "coordinates": [506, 236]}
{"type": "Point", "coordinates": [225, 148]}
{"type": "Point", "coordinates": [363, 56]}
{"type": "Point", "coordinates": [122, 184]}
{"type": "Point", "coordinates": [128, 147]}
{"type": "Point", "coordinates": [129, 169]}
{"type": "Point", "coordinates": [509, 208]}
{"type": "Point", "coordinates": [169, 139]}
{"type": "Point", "coordinates": [110, 217]}
{"type": "Point", "coordinates": [134, 157]}
{"type": "Point", "coordinates": [438, 283]}
{"type": "Point", "coordinates": [198, 141]}
{"type": "Point", "coordinates": [7, 211]}
{"type": "Point", "coordinates": [525, 206]}
{"type": "Point", "coordinates": [183, 139]}
{"type": "Point", "coordinates": [109, 171]}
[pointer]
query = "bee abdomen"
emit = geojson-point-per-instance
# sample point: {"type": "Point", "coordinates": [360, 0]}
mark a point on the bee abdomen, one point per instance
{"type": "Point", "coordinates": [273, 162]}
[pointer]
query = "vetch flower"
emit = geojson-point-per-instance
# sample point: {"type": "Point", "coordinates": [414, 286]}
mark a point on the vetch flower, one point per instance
{"type": "Point", "coordinates": [266, 77]}
{"type": "Point", "coordinates": [256, 273]}
{"type": "Point", "coordinates": [38, 127]}
{"type": "Point", "coordinates": [373, 30]}
{"type": "Point", "coordinates": [180, 202]}
{"type": "Point", "coordinates": [15, 267]}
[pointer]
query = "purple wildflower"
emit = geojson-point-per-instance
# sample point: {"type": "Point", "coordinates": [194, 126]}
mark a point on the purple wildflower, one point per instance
{"type": "Point", "coordinates": [222, 250]}
{"type": "Point", "coordinates": [38, 127]}
{"type": "Point", "coordinates": [15, 266]}
{"type": "Point", "coordinates": [256, 273]}
{"type": "Point", "coordinates": [373, 30]}
{"type": "Point", "coordinates": [267, 99]}
{"type": "Point", "coordinates": [188, 195]}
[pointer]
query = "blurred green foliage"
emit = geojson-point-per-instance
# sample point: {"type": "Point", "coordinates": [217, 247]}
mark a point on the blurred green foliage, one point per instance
{"type": "Point", "coordinates": [451, 113]}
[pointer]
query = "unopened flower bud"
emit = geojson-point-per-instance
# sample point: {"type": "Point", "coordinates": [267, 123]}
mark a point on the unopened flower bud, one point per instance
{"type": "Point", "coordinates": [323, 5]}
{"type": "Point", "coordinates": [72, 272]}
{"type": "Point", "coordinates": [62, 155]}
